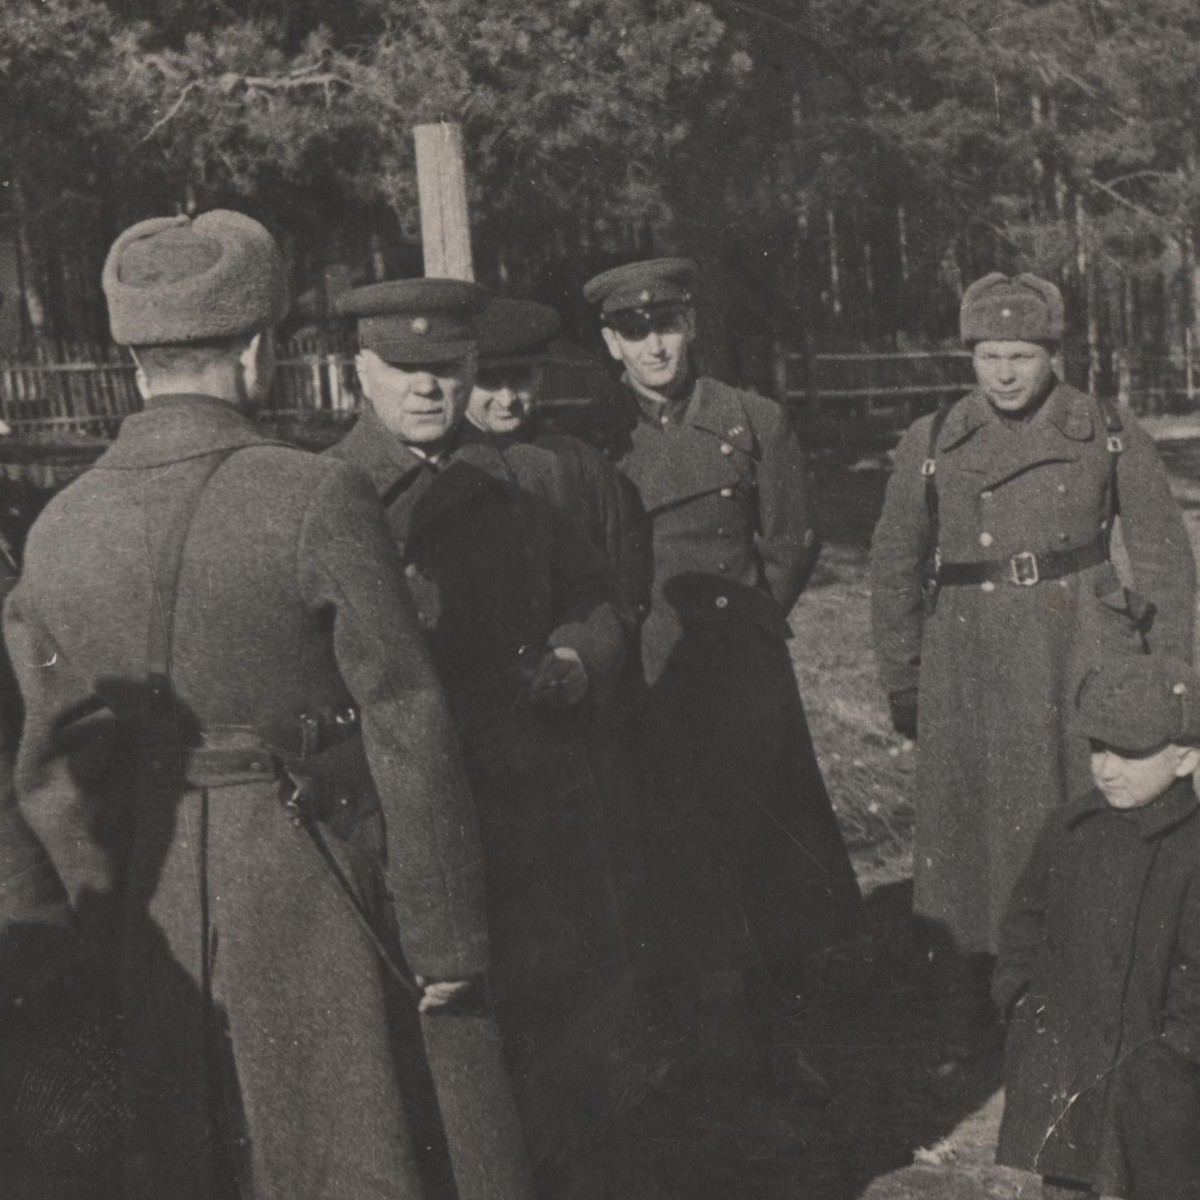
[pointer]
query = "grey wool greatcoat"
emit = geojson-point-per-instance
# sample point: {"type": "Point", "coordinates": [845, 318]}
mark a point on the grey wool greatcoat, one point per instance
{"type": "Point", "coordinates": [499, 573]}
{"type": "Point", "coordinates": [737, 813]}
{"type": "Point", "coordinates": [1099, 970]}
{"type": "Point", "coordinates": [996, 664]}
{"type": "Point", "coordinates": [249, 990]}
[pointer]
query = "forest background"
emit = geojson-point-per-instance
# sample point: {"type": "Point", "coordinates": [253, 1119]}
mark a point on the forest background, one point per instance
{"type": "Point", "coordinates": [841, 168]}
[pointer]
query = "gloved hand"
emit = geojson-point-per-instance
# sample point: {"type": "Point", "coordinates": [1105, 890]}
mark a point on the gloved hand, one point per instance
{"type": "Point", "coordinates": [560, 680]}
{"type": "Point", "coordinates": [903, 706]}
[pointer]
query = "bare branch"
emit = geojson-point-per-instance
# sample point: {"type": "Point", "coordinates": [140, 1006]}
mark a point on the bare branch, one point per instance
{"type": "Point", "coordinates": [170, 113]}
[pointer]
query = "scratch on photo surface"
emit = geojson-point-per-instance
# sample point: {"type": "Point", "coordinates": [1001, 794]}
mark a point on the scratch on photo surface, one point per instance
{"type": "Point", "coordinates": [1070, 1100]}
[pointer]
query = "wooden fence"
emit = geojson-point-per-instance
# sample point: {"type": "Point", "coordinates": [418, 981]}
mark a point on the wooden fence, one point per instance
{"type": "Point", "coordinates": [85, 401]}
{"type": "Point", "coordinates": [889, 390]}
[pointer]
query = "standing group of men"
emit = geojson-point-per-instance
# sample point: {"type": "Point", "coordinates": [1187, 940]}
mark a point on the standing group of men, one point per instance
{"type": "Point", "coordinates": [461, 730]}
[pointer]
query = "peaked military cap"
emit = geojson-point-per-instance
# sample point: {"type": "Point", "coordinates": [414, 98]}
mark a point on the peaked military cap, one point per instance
{"type": "Point", "coordinates": [998, 308]}
{"type": "Point", "coordinates": [1138, 702]}
{"type": "Point", "coordinates": [515, 332]}
{"type": "Point", "coordinates": [643, 285]}
{"type": "Point", "coordinates": [174, 280]}
{"type": "Point", "coordinates": [416, 320]}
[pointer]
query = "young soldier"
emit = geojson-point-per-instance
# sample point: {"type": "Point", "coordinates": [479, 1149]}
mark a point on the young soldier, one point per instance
{"type": "Point", "coordinates": [1100, 954]}
{"type": "Point", "coordinates": [209, 624]}
{"type": "Point", "coordinates": [750, 869]}
{"type": "Point", "coordinates": [990, 569]}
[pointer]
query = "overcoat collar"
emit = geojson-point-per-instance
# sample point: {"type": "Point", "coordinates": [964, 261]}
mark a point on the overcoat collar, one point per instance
{"type": "Point", "coordinates": [1176, 805]}
{"type": "Point", "coordinates": [469, 467]}
{"type": "Point", "coordinates": [378, 453]}
{"type": "Point", "coordinates": [979, 439]}
{"type": "Point", "coordinates": [698, 458]}
{"type": "Point", "coordinates": [174, 428]}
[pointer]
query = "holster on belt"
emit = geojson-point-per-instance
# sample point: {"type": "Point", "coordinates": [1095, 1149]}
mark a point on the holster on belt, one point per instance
{"type": "Point", "coordinates": [325, 761]}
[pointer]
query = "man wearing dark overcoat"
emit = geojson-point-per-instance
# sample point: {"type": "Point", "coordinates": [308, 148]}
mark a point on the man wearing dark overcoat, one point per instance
{"type": "Point", "coordinates": [515, 337]}
{"type": "Point", "coordinates": [210, 624]}
{"type": "Point", "coordinates": [750, 869]}
{"type": "Point", "coordinates": [991, 578]}
{"type": "Point", "coordinates": [522, 618]}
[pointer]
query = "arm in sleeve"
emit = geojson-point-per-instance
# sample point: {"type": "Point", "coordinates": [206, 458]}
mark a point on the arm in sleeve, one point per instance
{"type": "Point", "coordinates": [900, 546]}
{"type": "Point", "coordinates": [349, 566]}
{"type": "Point", "coordinates": [1164, 569]}
{"type": "Point", "coordinates": [65, 773]}
{"type": "Point", "coordinates": [589, 615]}
{"type": "Point", "coordinates": [1181, 1013]}
{"type": "Point", "coordinates": [789, 537]}
{"type": "Point", "coordinates": [1022, 930]}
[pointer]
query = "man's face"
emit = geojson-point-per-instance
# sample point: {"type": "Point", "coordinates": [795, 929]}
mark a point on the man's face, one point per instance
{"type": "Point", "coordinates": [1131, 780]}
{"type": "Point", "coordinates": [503, 397]}
{"type": "Point", "coordinates": [421, 403]}
{"type": "Point", "coordinates": [653, 346]}
{"type": "Point", "coordinates": [1012, 374]}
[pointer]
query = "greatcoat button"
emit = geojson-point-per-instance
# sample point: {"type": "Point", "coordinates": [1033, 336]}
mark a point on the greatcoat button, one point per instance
{"type": "Point", "coordinates": [986, 539]}
{"type": "Point", "coordinates": [987, 586]}
{"type": "Point", "coordinates": [727, 492]}
{"type": "Point", "coordinates": [722, 601]}
{"type": "Point", "coordinates": [1062, 489]}
{"type": "Point", "coordinates": [986, 495]}
{"type": "Point", "coordinates": [412, 570]}
{"type": "Point", "coordinates": [726, 448]}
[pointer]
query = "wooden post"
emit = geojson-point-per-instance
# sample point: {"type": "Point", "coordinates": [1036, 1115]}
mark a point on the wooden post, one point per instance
{"type": "Point", "coordinates": [442, 193]}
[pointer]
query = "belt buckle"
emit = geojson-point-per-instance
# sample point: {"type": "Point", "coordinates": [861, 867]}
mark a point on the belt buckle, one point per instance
{"type": "Point", "coordinates": [1024, 567]}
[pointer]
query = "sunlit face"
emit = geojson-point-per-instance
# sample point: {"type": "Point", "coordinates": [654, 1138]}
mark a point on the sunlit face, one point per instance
{"type": "Point", "coordinates": [1130, 780]}
{"type": "Point", "coordinates": [503, 397]}
{"type": "Point", "coordinates": [421, 403]}
{"type": "Point", "coordinates": [1012, 374]}
{"type": "Point", "coordinates": [652, 346]}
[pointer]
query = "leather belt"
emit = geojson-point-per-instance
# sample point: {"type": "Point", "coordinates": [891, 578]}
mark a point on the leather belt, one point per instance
{"type": "Point", "coordinates": [1024, 569]}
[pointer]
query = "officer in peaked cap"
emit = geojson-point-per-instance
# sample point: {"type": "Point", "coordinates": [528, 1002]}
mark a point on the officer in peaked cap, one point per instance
{"type": "Point", "coordinates": [524, 623]}
{"type": "Point", "coordinates": [999, 510]}
{"type": "Point", "coordinates": [746, 864]}
{"type": "Point", "coordinates": [233, 612]}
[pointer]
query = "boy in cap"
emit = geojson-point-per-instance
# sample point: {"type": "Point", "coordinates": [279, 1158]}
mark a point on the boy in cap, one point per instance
{"type": "Point", "coordinates": [990, 574]}
{"type": "Point", "coordinates": [1099, 967]}
{"type": "Point", "coordinates": [522, 619]}
{"type": "Point", "coordinates": [211, 623]}
{"type": "Point", "coordinates": [746, 864]}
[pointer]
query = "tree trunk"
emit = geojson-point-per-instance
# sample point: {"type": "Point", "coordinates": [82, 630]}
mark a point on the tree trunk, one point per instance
{"type": "Point", "coordinates": [29, 262]}
{"type": "Point", "coordinates": [1088, 292]}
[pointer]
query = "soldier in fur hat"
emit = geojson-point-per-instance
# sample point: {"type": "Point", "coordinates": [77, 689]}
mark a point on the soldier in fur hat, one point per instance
{"type": "Point", "coordinates": [990, 577]}
{"type": "Point", "coordinates": [211, 624]}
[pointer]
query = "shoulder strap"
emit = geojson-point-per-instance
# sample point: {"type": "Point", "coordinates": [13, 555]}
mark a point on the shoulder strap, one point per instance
{"type": "Point", "coordinates": [168, 559]}
{"type": "Point", "coordinates": [1113, 429]}
{"type": "Point", "coordinates": [929, 466]}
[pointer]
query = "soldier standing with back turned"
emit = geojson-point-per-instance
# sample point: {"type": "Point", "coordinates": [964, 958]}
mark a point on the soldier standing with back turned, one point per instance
{"type": "Point", "coordinates": [210, 624]}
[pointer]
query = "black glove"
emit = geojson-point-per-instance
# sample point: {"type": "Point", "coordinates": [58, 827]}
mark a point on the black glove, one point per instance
{"type": "Point", "coordinates": [903, 706]}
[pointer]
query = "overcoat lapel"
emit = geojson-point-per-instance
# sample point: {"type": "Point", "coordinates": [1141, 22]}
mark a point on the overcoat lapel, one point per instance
{"type": "Point", "coordinates": [978, 441]}
{"type": "Point", "coordinates": [711, 450]}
